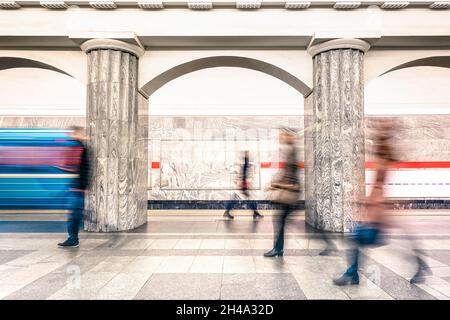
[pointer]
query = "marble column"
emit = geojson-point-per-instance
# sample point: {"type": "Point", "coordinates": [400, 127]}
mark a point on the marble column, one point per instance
{"type": "Point", "coordinates": [116, 126]}
{"type": "Point", "coordinates": [334, 135]}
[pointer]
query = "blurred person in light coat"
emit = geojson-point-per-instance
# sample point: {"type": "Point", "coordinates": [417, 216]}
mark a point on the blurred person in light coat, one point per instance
{"type": "Point", "coordinates": [374, 221]}
{"type": "Point", "coordinates": [285, 188]}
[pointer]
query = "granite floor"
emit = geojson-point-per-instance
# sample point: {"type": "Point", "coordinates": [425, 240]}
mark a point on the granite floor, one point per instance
{"type": "Point", "coordinates": [206, 257]}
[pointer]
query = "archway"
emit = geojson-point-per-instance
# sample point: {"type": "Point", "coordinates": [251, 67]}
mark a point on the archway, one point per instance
{"type": "Point", "coordinates": [14, 62]}
{"type": "Point", "coordinates": [416, 95]}
{"type": "Point", "coordinates": [225, 120]}
{"type": "Point", "coordinates": [38, 95]}
{"type": "Point", "coordinates": [435, 61]}
{"type": "Point", "coordinates": [54, 98]}
{"type": "Point", "coordinates": [224, 61]}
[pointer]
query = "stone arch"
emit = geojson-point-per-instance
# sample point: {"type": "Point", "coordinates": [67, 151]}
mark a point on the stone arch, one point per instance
{"type": "Point", "coordinates": [15, 62]}
{"type": "Point", "coordinates": [434, 61]}
{"type": "Point", "coordinates": [439, 64]}
{"type": "Point", "coordinates": [56, 98]}
{"type": "Point", "coordinates": [224, 61]}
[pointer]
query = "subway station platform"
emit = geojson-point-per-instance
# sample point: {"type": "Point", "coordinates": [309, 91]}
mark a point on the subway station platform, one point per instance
{"type": "Point", "coordinates": [202, 256]}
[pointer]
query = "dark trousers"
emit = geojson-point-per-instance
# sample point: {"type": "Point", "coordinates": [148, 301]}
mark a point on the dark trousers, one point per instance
{"type": "Point", "coordinates": [327, 240]}
{"type": "Point", "coordinates": [352, 270]}
{"type": "Point", "coordinates": [286, 210]}
{"type": "Point", "coordinates": [76, 207]}
{"type": "Point", "coordinates": [233, 203]}
{"type": "Point", "coordinates": [73, 226]}
{"type": "Point", "coordinates": [365, 235]}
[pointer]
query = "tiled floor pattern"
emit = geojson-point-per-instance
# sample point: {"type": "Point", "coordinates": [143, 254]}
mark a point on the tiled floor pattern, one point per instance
{"type": "Point", "coordinates": [168, 265]}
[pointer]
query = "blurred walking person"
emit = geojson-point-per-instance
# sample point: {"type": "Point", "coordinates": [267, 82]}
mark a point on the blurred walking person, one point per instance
{"type": "Point", "coordinates": [330, 247]}
{"type": "Point", "coordinates": [78, 189]}
{"type": "Point", "coordinates": [369, 230]}
{"type": "Point", "coordinates": [422, 267]}
{"type": "Point", "coordinates": [372, 223]}
{"type": "Point", "coordinates": [285, 188]}
{"type": "Point", "coordinates": [244, 188]}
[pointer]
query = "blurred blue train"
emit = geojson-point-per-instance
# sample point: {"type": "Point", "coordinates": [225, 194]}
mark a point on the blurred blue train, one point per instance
{"type": "Point", "coordinates": [36, 169]}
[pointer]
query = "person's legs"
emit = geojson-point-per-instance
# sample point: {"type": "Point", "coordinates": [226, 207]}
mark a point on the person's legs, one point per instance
{"type": "Point", "coordinates": [76, 207]}
{"type": "Point", "coordinates": [422, 268]}
{"type": "Point", "coordinates": [279, 235]}
{"type": "Point", "coordinates": [253, 207]}
{"type": "Point", "coordinates": [73, 226]}
{"type": "Point", "coordinates": [330, 246]}
{"type": "Point", "coordinates": [351, 274]}
{"type": "Point", "coordinates": [352, 270]}
{"type": "Point", "coordinates": [279, 242]}
{"type": "Point", "coordinates": [230, 205]}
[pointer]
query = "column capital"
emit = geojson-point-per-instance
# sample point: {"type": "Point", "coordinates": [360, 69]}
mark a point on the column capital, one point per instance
{"type": "Point", "coordinates": [94, 44]}
{"type": "Point", "coordinates": [344, 43]}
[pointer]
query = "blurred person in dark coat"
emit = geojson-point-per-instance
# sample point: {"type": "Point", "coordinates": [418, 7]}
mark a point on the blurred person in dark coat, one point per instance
{"type": "Point", "coordinates": [244, 187]}
{"type": "Point", "coordinates": [285, 188]}
{"type": "Point", "coordinates": [78, 189]}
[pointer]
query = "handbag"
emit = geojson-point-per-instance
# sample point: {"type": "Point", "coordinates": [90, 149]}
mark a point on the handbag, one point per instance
{"type": "Point", "coordinates": [284, 196]}
{"type": "Point", "coordinates": [369, 235]}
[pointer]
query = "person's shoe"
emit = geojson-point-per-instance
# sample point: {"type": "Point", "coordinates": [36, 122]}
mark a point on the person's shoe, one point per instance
{"type": "Point", "coordinates": [346, 280]}
{"type": "Point", "coordinates": [273, 253]}
{"type": "Point", "coordinates": [328, 252]}
{"type": "Point", "coordinates": [228, 215]}
{"type": "Point", "coordinates": [69, 244]}
{"type": "Point", "coordinates": [419, 277]}
{"type": "Point", "coordinates": [257, 215]}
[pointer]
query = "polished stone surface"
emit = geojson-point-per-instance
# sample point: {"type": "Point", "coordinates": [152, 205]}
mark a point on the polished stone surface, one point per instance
{"type": "Point", "coordinates": [200, 158]}
{"type": "Point", "coordinates": [418, 138]}
{"type": "Point", "coordinates": [212, 262]}
{"type": "Point", "coordinates": [336, 174]}
{"type": "Point", "coordinates": [117, 126]}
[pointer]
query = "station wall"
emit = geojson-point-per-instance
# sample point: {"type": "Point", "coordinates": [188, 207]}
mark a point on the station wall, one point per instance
{"type": "Point", "coordinates": [195, 157]}
{"type": "Point", "coordinates": [200, 123]}
{"type": "Point", "coordinates": [199, 157]}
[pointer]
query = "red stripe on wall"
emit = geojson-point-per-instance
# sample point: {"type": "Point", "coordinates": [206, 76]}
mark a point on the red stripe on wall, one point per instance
{"type": "Point", "coordinates": [416, 165]}
{"type": "Point", "coordinates": [155, 165]}
{"type": "Point", "coordinates": [271, 165]}
{"type": "Point", "coordinates": [277, 165]}
{"type": "Point", "coordinates": [369, 165]}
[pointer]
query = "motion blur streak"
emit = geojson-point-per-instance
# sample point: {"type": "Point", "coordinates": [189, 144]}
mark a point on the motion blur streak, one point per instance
{"type": "Point", "coordinates": [34, 166]}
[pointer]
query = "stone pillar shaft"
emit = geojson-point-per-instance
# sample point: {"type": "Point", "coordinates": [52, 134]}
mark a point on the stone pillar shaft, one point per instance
{"type": "Point", "coordinates": [335, 140]}
{"type": "Point", "coordinates": [117, 199]}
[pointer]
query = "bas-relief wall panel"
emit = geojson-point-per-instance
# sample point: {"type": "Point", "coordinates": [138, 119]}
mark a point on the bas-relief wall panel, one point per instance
{"type": "Point", "coordinates": [201, 157]}
{"type": "Point", "coordinates": [206, 164]}
{"type": "Point", "coordinates": [420, 138]}
{"type": "Point", "coordinates": [417, 138]}
{"type": "Point", "coordinates": [42, 122]}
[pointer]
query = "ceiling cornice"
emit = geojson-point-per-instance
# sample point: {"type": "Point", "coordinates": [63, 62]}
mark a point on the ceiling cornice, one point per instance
{"type": "Point", "coordinates": [221, 4]}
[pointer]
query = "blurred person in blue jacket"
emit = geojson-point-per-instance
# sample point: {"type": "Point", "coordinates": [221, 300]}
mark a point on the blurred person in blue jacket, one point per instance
{"type": "Point", "coordinates": [78, 189]}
